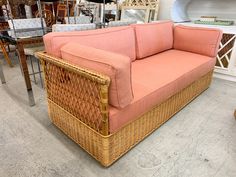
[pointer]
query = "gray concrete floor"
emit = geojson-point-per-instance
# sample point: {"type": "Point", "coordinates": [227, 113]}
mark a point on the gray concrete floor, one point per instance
{"type": "Point", "coordinates": [199, 141]}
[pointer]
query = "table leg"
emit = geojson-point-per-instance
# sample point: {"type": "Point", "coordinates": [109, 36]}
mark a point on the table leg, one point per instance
{"type": "Point", "coordinates": [2, 75]}
{"type": "Point", "coordinates": [25, 71]}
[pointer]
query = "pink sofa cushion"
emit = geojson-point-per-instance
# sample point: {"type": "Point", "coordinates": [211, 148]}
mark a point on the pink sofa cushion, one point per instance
{"type": "Point", "coordinates": [204, 41]}
{"type": "Point", "coordinates": [116, 66]}
{"type": "Point", "coordinates": [157, 78]}
{"type": "Point", "coordinates": [119, 40]}
{"type": "Point", "coordinates": [153, 38]}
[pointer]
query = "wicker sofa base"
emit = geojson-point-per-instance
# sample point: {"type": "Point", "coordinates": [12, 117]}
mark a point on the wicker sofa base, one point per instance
{"type": "Point", "coordinates": [107, 149]}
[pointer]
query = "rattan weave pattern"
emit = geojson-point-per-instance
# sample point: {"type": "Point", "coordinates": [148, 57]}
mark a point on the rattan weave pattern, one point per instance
{"type": "Point", "coordinates": [107, 149]}
{"type": "Point", "coordinates": [80, 92]}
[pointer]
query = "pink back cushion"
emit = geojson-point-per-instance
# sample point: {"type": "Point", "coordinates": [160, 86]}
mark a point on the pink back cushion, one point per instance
{"type": "Point", "coordinates": [116, 66]}
{"type": "Point", "coordinates": [204, 41]}
{"type": "Point", "coordinates": [153, 38]}
{"type": "Point", "coordinates": [117, 39]}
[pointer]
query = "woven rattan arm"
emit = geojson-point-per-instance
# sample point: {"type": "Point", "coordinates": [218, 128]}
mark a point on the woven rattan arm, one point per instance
{"type": "Point", "coordinates": [81, 92]}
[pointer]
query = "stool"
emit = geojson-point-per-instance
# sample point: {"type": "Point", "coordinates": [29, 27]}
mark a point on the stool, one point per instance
{"type": "Point", "coordinates": [30, 53]}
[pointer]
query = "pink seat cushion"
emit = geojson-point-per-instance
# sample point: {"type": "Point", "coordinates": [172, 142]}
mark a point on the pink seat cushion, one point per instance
{"type": "Point", "coordinates": [117, 39]}
{"type": "Point", "coordinates": [153, 38]}
{"type": "Point", "coordinates": [204, 41]}
{"type": "Point", "coordinates": [116, 66]}
{"type": "Point", "coordinates": [157, 78]}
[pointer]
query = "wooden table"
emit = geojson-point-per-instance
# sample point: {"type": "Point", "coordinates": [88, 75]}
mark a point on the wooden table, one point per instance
{"type": "Point", "coordinates": [20, 44]}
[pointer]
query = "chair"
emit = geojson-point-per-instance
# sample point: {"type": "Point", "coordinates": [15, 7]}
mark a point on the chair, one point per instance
{"type": "Point", "coordinates": [121, 23]}
{"type": "Point", "coordinates": [48, 16]}
{"type": "Point", "coordinates": [30, 53]}
{"type": "Point", "coordinates": [87, 9]}
{"type": "Point", "coordinates": [31, 23]}
{"type": "Point", "coordinates": [78, 20]}
{"type": "Point", "coordinates": [5, 46]}
{"type": "Point", "coordinates": [61, 12]}
{"type": "Point", "coordinates": [72, 27]}
{"type": "Point", "coordinates": [102, 9]}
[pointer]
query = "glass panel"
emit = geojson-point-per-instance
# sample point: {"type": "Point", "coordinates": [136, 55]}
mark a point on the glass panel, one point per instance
{"type": "Point", "coordinates": [134, 14]}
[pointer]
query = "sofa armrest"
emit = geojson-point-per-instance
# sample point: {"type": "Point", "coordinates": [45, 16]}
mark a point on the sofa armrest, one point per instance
{"type": "Point", "coordinates": [117, 67]}
{"type": "Point", "coordinates": [204, 41]}
{"type": "Point", "coordinates": [82, 93]}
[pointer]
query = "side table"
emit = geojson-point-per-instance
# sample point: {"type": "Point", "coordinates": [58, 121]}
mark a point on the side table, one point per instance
{"type": "Point", "coordinates": [20, 44]}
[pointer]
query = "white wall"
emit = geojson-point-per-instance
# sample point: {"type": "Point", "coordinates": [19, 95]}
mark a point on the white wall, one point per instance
{"type": "Point", "coordinates": [179, 11]}
{"type": "Point", "coordinates": [165, 9]}
{"type": "Point", "coordinates": [173, 9]}
{"type": "Point", "coordinates": [223, 9]}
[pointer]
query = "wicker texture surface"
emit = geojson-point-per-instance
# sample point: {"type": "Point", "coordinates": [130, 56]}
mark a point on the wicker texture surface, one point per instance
{"type": "Point", "coordinates": [106, 149]}
{"type": "Point", "coordinates": [81, 92]}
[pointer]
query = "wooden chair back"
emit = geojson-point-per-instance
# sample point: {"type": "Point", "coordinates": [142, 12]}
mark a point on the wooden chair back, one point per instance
{"type": "Point", "coordinates": [61, 12]}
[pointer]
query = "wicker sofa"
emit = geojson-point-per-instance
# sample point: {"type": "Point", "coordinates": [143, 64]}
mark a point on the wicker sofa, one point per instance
{"type": "Point", "coordinates": [108, 89]}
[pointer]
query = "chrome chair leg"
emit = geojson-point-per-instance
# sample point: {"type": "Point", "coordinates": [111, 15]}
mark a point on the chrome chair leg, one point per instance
{"type": "Point", "coordinates": [40, 73]}
{"type": "Point", "coordinates": [21, 70]}
{"type": "Point", "coordinates": [32, 67]}
{"type": "Point", "coordinates": [2, 77]}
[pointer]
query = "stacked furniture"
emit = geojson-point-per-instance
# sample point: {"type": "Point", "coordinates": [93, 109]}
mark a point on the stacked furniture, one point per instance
{"type": "Point", "coordinates": [121, 23]}
{"type": "Point", "coordinates": [26, 28]}
{"type": "Point", "coordinates": [142, 9]}
{"type": "Point", "coordinates": [108, 89]}
{"type": "Point", "coordinates": [72, 27]}
{"type": "Point", "coordinates": [78, 20]}
{"type": "Point", "coordinates": [78, 23]}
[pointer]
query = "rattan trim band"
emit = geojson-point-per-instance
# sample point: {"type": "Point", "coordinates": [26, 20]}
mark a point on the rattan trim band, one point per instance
{"type": "Point", "coordinates": [102, 79]}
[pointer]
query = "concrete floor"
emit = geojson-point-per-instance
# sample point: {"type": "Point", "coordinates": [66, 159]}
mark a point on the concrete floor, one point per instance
{"type": "Point", "coordinates": [200, 141]}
